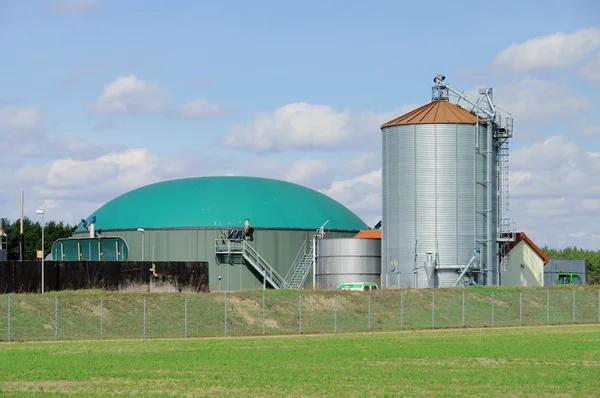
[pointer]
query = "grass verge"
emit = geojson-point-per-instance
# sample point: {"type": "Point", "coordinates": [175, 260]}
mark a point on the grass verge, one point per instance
{"type": "Point", "coordinates": [543, 361]}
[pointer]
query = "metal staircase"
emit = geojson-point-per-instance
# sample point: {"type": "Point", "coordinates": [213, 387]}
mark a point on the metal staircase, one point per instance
{"type": "Point", "coordinates": [300, 267]}
{"type": "Point", "coordinates": [234, 247]}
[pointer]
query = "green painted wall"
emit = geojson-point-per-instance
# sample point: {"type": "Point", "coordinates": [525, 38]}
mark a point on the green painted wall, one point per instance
{"type": "Point", "coordinates": [278, 247]}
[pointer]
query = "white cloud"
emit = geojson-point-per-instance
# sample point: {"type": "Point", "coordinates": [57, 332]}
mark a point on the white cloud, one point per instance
{"type": "Point", "coordinates": [531, 99]}
{"type": "Point", "coordinates": [554, 167]}
{"type": "Point", "coordinates": [362, 163]}
{"type": "Point", "coordinates": [304, 171]}
{"type": "Point", "coordinates": [589, 128]}
{"type": "Point", "coordinates": [591, 71]}
{"type": "Point", "coordinates": [49, 204]}
{"type": "Point", "coordinates": [361, 194]}
{"type": "Point", "coordinates": [105, 175]}
{"type": "Point", "coordinates": [20, 118]}
{"type": "Point", "coordinates": [74, 6]}
{"type": "Point", "coordinates": [303, 126]}
{"type": "Point", "coordinates": [199, 108]}
{"type": "Point", "coordinates": [551, 51]}
{"type": "Point", "coordinates": [128, 94]}
{"type": "Point", "coordinates": [554, 189]}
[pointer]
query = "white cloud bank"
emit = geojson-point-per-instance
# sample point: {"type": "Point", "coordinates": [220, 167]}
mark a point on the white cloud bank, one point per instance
{"type": "Point", "coordinates": [20, 118]}
{"type": "Point", "coordinates": [591, 71]}
{"type": "Point", "coordinates": [555, 193]}
{"type": "Point", "coordinates": [361, 194]}
{"type": "Point", "coordinates": [531, 99]}
{"type": "Point", "coordinates": [128, 94]}
{"type": "Point", "coordinates": [303, 126]}
{"type": "Point", "coordinates": [551, 51]}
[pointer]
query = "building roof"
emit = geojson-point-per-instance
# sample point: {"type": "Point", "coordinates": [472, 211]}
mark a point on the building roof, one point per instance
{"type": "Point", "coordinates": [520, 236]}
{"type": "Point", "coordinates": [368, 234]}
{"type": "Point", "coordinates": [225, 202]}
{"type": "Point", "coordinates": [436, 112]}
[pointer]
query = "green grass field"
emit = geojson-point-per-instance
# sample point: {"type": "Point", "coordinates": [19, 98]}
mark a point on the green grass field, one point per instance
{"type": "Point", "coordinates": [535, 361]}
{"type": "Point", "coordinates": [79, 317]}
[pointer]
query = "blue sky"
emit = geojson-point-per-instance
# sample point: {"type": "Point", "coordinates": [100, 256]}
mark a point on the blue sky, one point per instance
{"type": "Point", "coordinates": [102, 96]}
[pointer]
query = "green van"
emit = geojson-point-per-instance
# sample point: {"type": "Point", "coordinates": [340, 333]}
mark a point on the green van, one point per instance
{"type": "Point", "coordinates": [358, 286]}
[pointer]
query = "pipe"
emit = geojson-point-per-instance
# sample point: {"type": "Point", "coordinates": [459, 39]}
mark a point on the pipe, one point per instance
{"type": "Point", "coordinates": [490, 265]}
{"type": "Point", "coordinates": [462, 275]}
{"type": "Point", "coordinates": [314, 259]}
{"type": "Point", "coordinates": [21, 238]}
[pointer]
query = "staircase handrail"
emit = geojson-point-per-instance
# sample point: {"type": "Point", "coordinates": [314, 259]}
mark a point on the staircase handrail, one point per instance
{"type": "Point", "coordinates": [265, 267]}
{"type": "Point", "coordinates": [295, 263]}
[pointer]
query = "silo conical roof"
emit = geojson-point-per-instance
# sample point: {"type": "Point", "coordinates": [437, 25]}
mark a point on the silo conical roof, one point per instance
{"type": "Point", "coordinates": [436, 112]}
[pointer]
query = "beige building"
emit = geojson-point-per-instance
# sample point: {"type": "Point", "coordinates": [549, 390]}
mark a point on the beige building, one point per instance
{"type": "Point", "coordinates": [523, 264]}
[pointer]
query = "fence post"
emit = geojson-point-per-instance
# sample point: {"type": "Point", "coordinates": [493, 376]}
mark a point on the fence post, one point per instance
{"type": "Point", "coordinates": [8, 330]}
{"type": "Point", "coordinates": [300, 314]}
{"type": "Point", "coordinates": [547, 306]}
{"type": "Point", "coordinates": [369, 329]}
{"type": "Point", "coordinates": [492, 309]}
{"type": "Point", "coordinates": [185, 318]}
{"type": "Point", "coordinates": [433, 310]}
{"type": "Point", "coordinates": [520, 308]}
{"type": "Point", "coordinates": [574, 307]}
{"type": "Point", "coordinates": [225, 313]}
{"type": "Point", "coordinates": [144, 316]}
{"type": "Point", "coordinates": [335, 307]}
{"type": "Point", "coordinates": [401, 310]}
{"type": "Point", "coordinates": [101, 309]}
{"type": "Point", "coordinates": [463, 309]}
{"type": "Point", "coordinates": [56, 317]}
{"type": "Point", "coordinates": [263, 313]}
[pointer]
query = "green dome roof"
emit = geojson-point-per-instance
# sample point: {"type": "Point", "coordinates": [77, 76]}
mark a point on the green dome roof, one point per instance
{"type": "Point", "coordinates": [215, 202]}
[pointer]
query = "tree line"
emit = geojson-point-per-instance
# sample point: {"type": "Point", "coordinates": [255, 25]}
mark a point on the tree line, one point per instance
{"type": "Point", "coordinates": [33, 237]}
{"type": "Point", "coordinates": [592, 257]}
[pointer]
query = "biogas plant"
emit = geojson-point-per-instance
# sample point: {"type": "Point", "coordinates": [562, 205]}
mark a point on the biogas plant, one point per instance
{"type": "Point", "coordinates": [444, 197]}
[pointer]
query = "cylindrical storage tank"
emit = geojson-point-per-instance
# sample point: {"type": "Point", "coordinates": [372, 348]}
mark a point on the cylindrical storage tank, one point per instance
{"type": "Point", "coordinates": [348, 260]}
{"type": "Point", "coordinates": [434, 175]}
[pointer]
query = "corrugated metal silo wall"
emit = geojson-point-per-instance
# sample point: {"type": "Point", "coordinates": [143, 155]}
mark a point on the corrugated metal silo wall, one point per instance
{"type": "Point", "coordinates": [433, 180]}
{"type": "Point", "coordinates": [278, 247]}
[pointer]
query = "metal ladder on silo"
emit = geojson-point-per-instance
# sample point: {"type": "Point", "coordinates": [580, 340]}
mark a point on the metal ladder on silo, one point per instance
{"type": "Point", "coordinates": [300, 267]}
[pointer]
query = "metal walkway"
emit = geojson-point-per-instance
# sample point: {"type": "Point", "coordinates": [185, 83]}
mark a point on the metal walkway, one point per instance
{"type": "Point", "coordinates": [243, 248]}
{"type": "Point", "coordinates": [296, 275]}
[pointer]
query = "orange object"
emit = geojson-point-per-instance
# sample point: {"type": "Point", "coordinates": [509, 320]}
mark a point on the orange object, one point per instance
{"type": "Point", "coordinates": [368, 234]}
{"type": "Point", "coordinates": [521, 236]}
{"type": "Point", "coordinates": [436, 112]}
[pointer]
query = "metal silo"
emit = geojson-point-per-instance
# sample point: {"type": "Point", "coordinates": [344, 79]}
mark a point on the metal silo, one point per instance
{"type": "Point", "coordinates": [441, 194]}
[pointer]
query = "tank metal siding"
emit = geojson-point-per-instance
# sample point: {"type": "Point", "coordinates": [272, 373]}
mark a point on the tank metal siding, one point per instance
{"type": "Point", "coordinates": [278, 247]}
{"type": "Point", "coordinates": [348, 260]}
{"type": "Point", "coordinates": [438, 182]}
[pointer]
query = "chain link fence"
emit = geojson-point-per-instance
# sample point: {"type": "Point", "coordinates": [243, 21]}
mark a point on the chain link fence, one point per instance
{"type": "Point", "coordinates": [131, 316]}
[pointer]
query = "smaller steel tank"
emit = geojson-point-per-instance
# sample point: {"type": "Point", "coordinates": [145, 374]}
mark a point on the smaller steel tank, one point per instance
{"type": "Point", "coordinates": [346, 260]}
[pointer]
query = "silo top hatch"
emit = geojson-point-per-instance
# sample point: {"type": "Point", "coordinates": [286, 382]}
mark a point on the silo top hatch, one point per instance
{"type": "Point", "coordinates": [436, 112]}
